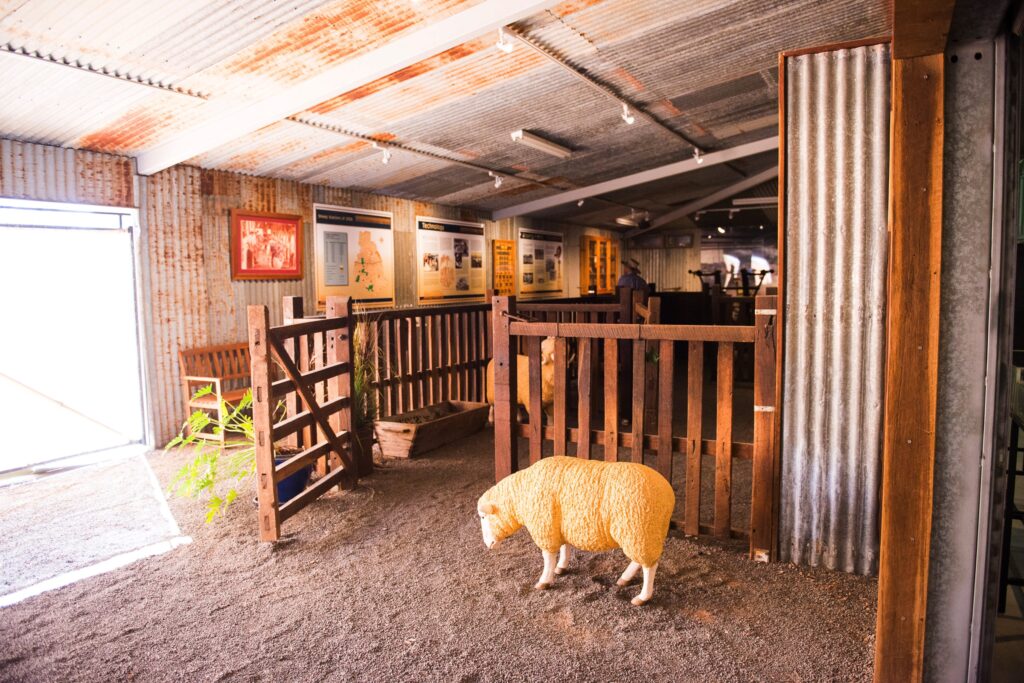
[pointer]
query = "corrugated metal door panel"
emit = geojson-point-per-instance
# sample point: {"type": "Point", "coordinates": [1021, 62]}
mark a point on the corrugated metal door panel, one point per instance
{"type": "Point", "coordinates": [837, 150]}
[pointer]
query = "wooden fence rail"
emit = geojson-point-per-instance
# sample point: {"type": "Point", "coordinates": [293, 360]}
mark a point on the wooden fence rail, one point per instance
{"type": "Point", "coordinates": [309, 411]}
{"type": "Point", "coordinates": [651, 431]}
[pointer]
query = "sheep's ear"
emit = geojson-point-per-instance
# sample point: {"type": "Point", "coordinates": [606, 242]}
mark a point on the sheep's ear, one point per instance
{"type": "Point", "coordinates": [488, 508]}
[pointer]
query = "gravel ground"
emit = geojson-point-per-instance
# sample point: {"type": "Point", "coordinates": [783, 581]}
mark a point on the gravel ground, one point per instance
{"type": "Point", "coordinates": [391, 582]}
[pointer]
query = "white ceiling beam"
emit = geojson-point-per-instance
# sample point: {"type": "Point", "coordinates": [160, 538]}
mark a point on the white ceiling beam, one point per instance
{"type": "Point", "coordinates": [650, 175]}
{"type": "Point", "coordinates": [414, 47]}
{"type": "Point", "coordinates": [713, 198]}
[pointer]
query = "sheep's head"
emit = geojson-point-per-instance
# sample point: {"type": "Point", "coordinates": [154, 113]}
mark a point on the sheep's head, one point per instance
{"type": "Point", "coordinates": [547, 351]}
{"type": "Point", "coordinates": [496, 519]}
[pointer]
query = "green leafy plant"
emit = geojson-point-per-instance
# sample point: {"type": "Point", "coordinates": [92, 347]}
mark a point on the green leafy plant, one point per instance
{"type": "Point", "coordinates": [214, 462]}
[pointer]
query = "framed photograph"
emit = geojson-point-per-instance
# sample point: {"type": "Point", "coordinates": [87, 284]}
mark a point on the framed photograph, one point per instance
{"type": "Point", "coordinates": [265, 246]}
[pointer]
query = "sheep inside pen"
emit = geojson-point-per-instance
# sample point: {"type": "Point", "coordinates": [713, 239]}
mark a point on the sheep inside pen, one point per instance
{"type": "Point", "coordinates": [588, 504]}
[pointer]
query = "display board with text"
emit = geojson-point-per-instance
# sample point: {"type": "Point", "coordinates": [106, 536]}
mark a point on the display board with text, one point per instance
{"type": "Point", "coordinates": [355, 255]}
{"type": "Point", "coordinates": [450, 260]}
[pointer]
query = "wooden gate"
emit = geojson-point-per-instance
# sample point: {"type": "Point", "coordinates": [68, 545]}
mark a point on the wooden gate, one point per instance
{"type": "Point", "coordinates": [321, 418]}
{"type": "Point", "coordinates": [509, 329]}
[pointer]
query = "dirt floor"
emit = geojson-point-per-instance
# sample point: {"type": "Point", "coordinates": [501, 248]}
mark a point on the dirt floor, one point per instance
{"type": "Point", "coordinates": [391, 582]}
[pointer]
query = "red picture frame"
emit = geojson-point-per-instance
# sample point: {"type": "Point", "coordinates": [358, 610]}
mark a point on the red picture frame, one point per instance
{"type": "Point", "coordinates": [265, 246]}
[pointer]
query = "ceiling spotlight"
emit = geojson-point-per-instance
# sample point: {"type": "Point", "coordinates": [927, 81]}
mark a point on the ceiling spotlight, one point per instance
{"type": "Point", "coordinates": [698, 156]}
{"type": "Point", "coordinates": [385, 156]}
{"type": "Point", "coordinates": [721, 230]}
{"type": "Point", "coordinates": [732, 213]}
{"type": "Point", "coordinates": [544, 145]}
{"type": "Point", "coordinates": [760, 227]}
{"type": "Point", "coordinates": [498, 180]}
{"type": "Point", "coordinates": [626, 116]}
{"type": "Point", "coordinates": [698, 215]}
{"type": "Point", "coordinates": [504, 42]}
{"type": "Point", "coordinates": [580, 202]}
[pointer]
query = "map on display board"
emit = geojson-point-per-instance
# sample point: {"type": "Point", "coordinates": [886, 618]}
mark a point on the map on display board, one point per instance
{"type": "Point", "coordinates": [355, 255]}
{"type": "Point", "coordinates": [450, 260]}
{"type": "Point", "coordinates": [540, 263]}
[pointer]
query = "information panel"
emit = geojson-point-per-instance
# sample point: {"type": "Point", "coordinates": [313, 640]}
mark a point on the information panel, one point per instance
{"type": "Point", "coordinates": [450, 260]}
{"type": "Point", "coordinates": [504, 265]}
{"type": "Point", "coordinates": [540, 263]}
{"type": "Point", "coordinates": [355, 255]}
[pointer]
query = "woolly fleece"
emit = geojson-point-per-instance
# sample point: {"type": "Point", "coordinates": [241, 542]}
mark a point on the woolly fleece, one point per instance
{"type": "Point", "coordinates": [589, 504]}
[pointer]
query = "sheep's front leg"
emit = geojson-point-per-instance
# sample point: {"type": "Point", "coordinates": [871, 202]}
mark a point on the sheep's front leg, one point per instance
{"type": "Point", "coordinates": [648, 590]}
{"type": "Point", "coordinates": [628, 575]}
{"type": "Point", "coordinates": [548, 576]}
{"type": "Point", "coordinates": [563, 559]}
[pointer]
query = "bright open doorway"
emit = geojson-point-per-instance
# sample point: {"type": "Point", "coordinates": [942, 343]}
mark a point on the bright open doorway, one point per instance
{"type": "Point", "coordinates": [70, 371]}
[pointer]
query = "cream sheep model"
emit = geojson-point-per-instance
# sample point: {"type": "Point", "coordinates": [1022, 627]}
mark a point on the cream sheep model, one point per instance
{"type": "Point", "coordinates": [590, 504]}
{"type": "Point", "coordinates": [547, 379]}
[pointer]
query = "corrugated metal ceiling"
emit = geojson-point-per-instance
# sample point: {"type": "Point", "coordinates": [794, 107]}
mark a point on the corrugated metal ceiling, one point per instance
{"type": "Point", "coordinates": [707, 68]}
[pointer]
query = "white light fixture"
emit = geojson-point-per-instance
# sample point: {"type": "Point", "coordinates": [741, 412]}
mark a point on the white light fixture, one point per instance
{"type": "Point", "coordinates": [732, 213]}
{"type": "Point", "coordinates": [626, 116]}
{"type": "Point", "coordinates": [698, 156]}
{"type": "Point", "coordinates": [721, 230]}
{"type": "Point", "coordinates": [634, 219]}
{"type": "Point", "coordinates": [760, 227]}
{"type": "Point", "coordinates": [537, 142]}
{"type": "Point", "coordinates": [385, 156]}
{"type": "Point", "coordinates": [504, 43]}
{"type": "Point", "coordinates": [498, 180]}
{"type": "Point", "coordinates": [580, 202]}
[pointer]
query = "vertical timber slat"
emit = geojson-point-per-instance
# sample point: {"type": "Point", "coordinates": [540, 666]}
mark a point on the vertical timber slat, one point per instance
{"type": "Point", "coordinates": [723, 441]}
{"type": "Point", "coordinates": [694, 435]}
{"type": "Point", "coordinates": [506, 456]}
{"type": "Point", "coordinates": [266, 487]}
{"type": "Point", "coordinates": [611, 400]}
{"type": "Point", "coordinates": [764, 494]}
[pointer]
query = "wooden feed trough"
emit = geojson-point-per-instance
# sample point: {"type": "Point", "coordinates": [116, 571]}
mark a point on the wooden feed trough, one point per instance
{"type": "Point", "coordinates": [418, 431]}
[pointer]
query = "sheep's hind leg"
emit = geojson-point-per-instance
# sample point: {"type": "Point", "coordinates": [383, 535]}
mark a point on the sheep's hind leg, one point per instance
{"type": "Point", "coordinates": [563, 559]}
{"type": "Point", "coordinates": [548, 576]}
{"type": "Point", "coordinates": [628, 575]}
{"type": "Point", "coordinates": [648, 590]}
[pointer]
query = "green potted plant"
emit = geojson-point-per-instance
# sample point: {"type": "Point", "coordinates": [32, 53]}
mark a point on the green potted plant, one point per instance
{"type": "Point", "coordinates": [229, 462]}
{"type": "Point", "coordinates": [364, 399]}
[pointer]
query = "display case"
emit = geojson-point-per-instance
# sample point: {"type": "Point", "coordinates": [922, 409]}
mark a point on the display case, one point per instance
{"type": "Point", "coordinates": [599, 264]}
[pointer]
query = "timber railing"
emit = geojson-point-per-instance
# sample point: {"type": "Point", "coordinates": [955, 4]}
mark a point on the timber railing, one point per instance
{"type": "Point", "coordinates": [619, 444]}
{"type": "Point", "coordinates": [309, 410]}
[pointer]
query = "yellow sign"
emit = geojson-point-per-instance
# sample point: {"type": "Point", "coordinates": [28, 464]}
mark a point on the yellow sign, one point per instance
{"type": "Point", "coordinates": [504, 266]}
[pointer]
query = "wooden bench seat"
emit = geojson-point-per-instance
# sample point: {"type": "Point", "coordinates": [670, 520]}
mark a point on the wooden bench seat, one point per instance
{"type": "Point", "coordinates": [224, 367]}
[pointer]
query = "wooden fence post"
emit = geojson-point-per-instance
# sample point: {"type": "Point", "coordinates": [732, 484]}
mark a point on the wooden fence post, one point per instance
{"type": "Point", "coordinates": [765, 497]}
{"type": "Point", "coordinates": [625, 305]}
{"type": "Point", "coordinates": [506, 456]}
{"type": "Point", "coordinates": [293, 310]}
{"type": "Point", "coordinates": [339, 350]}
{"type": "Point", "coordinates": [266, 487]}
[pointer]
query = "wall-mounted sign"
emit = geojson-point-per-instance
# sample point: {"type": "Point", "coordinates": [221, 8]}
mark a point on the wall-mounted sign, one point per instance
{"type": "Point", "coordinates": [449, 260]}
{"type": "Point", "coordinates": [504, 264]}
{"type": "Point", "coordinates": [540, 263]}
{"type": "Point", "coordinates": [355, 255]}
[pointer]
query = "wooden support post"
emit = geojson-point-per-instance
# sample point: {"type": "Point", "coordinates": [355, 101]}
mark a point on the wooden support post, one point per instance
{"type": "Point", "coordinates": [639, 389]}
{"type": "Point", "coordinates": [765, 495]}
{"type": "Point", "coordinates": [266, 486]}
{"type": "Point", "coordinates": [911, 371]}
{"type": "Point", "coordinates": [340, 350]}
{"type": "Point", "coordinates": [561, 405]}
{"type": "Point", "coordinates": [292, 311]}
{"type": "Point", "coordinates": [665, 371]}
{"type": "Point", "coordinates": [535, 408]}
{"type": "Point", "coordinates": [694, 435]}
{"type": "Point", "coordinates": [506, 454]}
{"type": "Point", "coordinates": [584, 377]}
{"type": "Point", "coordinates": [723, 442]}
{"type": "Point", "coordinates": [611, 400]}
{"type": "Point", "coordinates": [625, 314]}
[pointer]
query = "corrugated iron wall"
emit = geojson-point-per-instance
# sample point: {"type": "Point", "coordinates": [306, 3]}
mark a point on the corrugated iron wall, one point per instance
{"type": "Point", "coordinates": [669, 269]}
{"type": "Point", "coordinates": [189, 298]}
{"type": "Point", "coordinates": [837, 150]}
{"type": "Point", "coordinates": [55, 174]}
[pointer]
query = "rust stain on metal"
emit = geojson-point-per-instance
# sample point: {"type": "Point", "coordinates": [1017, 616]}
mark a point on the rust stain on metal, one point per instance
{"type": "Point", "coordinates": [572, 6]}
{"type": "Point", "coordinates": [629, 78]}
{"type": "Point", "coordinates": [326, 156]}
{"type": "Point", "coordinates": [418, 69]}
{"type": "Point", "coordinates": [337, 32]}
{"type": "Point", "coordinates": [135, 128]}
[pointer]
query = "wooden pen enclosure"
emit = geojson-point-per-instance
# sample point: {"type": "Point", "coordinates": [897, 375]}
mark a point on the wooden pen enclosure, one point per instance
{"type": "Point", "coordinates": [599, 342]}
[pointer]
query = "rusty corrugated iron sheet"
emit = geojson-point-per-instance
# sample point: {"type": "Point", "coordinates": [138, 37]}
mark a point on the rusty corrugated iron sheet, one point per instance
{"type": "Point", "coordinates": [64, 175]}
{"type": "Point", "coordinates": [837, 151]}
